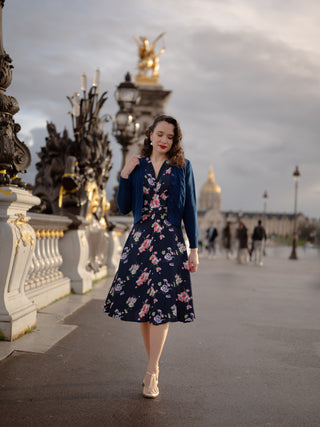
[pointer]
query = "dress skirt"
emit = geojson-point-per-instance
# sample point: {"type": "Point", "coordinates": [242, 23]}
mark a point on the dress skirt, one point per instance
{"type": "Point", "coordinates": [153, 283]}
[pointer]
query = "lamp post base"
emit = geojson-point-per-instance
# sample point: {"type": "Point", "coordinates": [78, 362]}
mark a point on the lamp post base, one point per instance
{"type": "Point", "coordinates": [293, 252]}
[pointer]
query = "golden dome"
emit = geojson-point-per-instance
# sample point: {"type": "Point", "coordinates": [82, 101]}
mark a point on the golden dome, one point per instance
{"type": "Point", "coordinates": [210, 186]}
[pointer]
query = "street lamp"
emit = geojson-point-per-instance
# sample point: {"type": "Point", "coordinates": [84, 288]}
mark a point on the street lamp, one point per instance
{"type": "Point", "coordinates": [265, 198]}
{"type": "Point", "coordinates": [296, 176]}
{"type": "Point", "coordinates": [124, 128]}
{"type": "Point", "coordinates": [127, 94]}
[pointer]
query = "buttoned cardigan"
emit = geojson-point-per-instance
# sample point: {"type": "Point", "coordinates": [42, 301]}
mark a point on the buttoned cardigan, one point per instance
{"type": "Point", "coordinates": [182, 203]}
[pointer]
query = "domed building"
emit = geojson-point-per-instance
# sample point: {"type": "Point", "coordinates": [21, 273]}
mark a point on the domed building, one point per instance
{"type": "Point", "coordinates": [210, 194]}
{"type": "Point", "coordinates": [209, 204]}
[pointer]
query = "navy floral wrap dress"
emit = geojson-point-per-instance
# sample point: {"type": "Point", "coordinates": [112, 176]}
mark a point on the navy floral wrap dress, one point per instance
{"type": "Point", "coordinates": [153, 283]}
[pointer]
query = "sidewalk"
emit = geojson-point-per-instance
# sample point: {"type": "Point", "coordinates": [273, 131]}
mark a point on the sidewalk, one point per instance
{"type": "Point", "coordinates": [251, 358]}
{"type": "Point", "coordinates": [50, 327]}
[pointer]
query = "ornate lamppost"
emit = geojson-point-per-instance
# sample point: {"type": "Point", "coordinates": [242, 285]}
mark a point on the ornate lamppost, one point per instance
{"type": "Point", "coordinates": [17, 312]}
{"type": "Point", "coordinates": [14, 154]}
{"type": "Point", "coordinates": [125, 128]}
{"type": "Point", "coordinates": [296, 176]}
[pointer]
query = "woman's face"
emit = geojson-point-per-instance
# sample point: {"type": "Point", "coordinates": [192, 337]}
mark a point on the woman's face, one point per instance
{"type": "Point", "coordinates": [162, 137]}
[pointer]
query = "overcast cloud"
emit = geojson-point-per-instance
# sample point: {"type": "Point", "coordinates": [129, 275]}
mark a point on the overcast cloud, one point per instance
{"type": "Point", "coordinates": [244, 75]}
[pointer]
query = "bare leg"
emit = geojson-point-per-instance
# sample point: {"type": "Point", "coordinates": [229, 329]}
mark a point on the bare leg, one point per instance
{"type": "Point", "coordinates": [145, 332]}
{"type": "Point", "coordinates": [157, 338]}
{"type": "Point", "coordinates": [158, 335]}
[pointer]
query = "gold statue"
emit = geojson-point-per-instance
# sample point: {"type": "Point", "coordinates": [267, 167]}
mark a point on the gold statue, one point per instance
{"type": "Point", "coordinates": [149, 61]}
{"type": "Point", "coordinates": [93, 198]}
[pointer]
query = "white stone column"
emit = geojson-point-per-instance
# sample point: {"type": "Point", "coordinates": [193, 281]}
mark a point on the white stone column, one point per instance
{"type": "Point", "coordinates": [17, 244]}
{"type": "Point", "coordinates": [74, 249]}
{"type": "Point", "coordinates": [117, 239]}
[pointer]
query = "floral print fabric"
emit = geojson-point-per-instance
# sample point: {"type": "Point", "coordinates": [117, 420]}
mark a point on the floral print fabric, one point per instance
{"type": "Point", "coordinates": [152, 283]}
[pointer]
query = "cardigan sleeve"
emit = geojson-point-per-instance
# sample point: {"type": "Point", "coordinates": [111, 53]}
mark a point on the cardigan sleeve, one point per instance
{"type": "Point", "coordinates": [124, 195]}
{"type": "Point", "coordinates": [190, 218]}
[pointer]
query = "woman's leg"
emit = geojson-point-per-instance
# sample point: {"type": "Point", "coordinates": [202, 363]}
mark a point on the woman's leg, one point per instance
{"type": "Point", "coordinates": [158, 335]}
{"type": "Point", "coordinates": [157, 338]}
{"type": "Point", "coordinates": [145, 332]}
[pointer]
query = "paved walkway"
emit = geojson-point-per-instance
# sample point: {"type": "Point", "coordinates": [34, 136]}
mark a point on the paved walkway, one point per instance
{"type": "Point", "coordinates": [252, 357]}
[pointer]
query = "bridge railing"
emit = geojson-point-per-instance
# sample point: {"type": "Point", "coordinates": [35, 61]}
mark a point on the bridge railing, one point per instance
{"type": "Point", "coordinates": [45, 257]}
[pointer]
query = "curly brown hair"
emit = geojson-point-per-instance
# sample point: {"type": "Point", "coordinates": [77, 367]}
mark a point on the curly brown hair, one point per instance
{"type": "Point", "coordinates": [176, 153]}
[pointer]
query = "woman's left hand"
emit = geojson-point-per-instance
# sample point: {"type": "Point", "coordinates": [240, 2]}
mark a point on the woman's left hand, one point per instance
{"type": "Point", "coordinates": [193, 260]}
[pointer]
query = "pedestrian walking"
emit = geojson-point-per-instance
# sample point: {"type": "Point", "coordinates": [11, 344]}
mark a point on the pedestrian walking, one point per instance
{"type": "Point", "coordinates": [259, 237]}
{"type": "Point", "coordinates": [201, 240]}
{"type": "Point", "coordinates": [243, 251]}
{"type": "Point", "coordinates": [212, 234]}
{"type": "Point", "coordinates": [226, 240]}
{"type": "Point", "coordinates": [152, 285]}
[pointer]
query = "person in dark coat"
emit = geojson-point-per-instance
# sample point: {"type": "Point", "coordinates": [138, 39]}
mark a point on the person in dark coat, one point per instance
{"type": "Point", "coordinates": [212, 234]}
{"type": "Point", "coordinates": [243, 238]}
{"type": "Point", "coordinates": [259, 237]}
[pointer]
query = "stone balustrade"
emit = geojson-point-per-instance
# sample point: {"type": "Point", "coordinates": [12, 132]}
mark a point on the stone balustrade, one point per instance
{"type": "Point", "coordinates": [46, 260]}
{"type": "Point", "coordinates": [45, 281]}
{"type": "Point", "coordinates": [45, 257]}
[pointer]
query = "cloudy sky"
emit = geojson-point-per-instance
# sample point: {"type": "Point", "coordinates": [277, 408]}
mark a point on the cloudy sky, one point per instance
{"type": "Point", "coordinates": [244, 75]}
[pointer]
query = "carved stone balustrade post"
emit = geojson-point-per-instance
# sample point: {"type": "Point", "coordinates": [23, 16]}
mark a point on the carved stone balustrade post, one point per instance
{"type": "Point", "coordinates": [74, 249]}
{"type": "Point", "coordinates": [17, 237]}
{"type": "Point", "coordinates": [117, 238]}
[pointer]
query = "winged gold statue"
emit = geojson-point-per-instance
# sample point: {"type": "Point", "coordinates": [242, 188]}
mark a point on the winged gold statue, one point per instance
{"type": "Point", "coordinates": [148, 60]}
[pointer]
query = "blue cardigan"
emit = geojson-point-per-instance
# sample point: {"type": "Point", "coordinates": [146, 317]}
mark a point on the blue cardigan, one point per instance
{"type": "Point", "coordinates": [182, 203]}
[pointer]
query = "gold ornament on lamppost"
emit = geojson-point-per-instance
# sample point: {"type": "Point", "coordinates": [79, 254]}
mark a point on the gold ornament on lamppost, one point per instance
{"type": "Point", "coordinates": [296, 176]}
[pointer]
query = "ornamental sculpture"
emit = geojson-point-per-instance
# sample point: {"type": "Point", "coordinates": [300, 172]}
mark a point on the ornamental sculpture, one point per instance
{"type": "Point", "coordinates": [72, 173]}
{"type": "Point", "coordinates": [148, 64]}
{"type": "Point", "coordinates": [14, 154]}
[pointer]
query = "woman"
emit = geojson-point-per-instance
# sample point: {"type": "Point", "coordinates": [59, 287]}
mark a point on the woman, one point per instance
{"type": "Point", "coordinates": [152, 285]}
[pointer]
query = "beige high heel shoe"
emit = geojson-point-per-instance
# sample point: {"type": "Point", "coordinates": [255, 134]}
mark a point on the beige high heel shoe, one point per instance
{"type": "Point", "coordinates": [151, 391]}
{"type": "Point", "coordinates": [157, 374]}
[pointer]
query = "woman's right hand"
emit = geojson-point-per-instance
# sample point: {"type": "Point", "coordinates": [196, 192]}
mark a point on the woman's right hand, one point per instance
{"type": "Point", "coordinates": [129, 166]}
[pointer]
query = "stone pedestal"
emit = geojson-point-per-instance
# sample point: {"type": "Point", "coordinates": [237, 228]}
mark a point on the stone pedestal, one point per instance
{"type": "Point", "coordinates": [17, 244]}
{"type": "Point", "coordinates": [74, 249]}
{"type": "Point", "coordinates": [153, 102]}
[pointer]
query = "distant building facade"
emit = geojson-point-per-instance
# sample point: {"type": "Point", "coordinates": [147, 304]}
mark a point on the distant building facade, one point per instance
{"type": "Point", "coordinates": [279, 224]}
{"type": "Point", "coordinates": [209, 209]}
